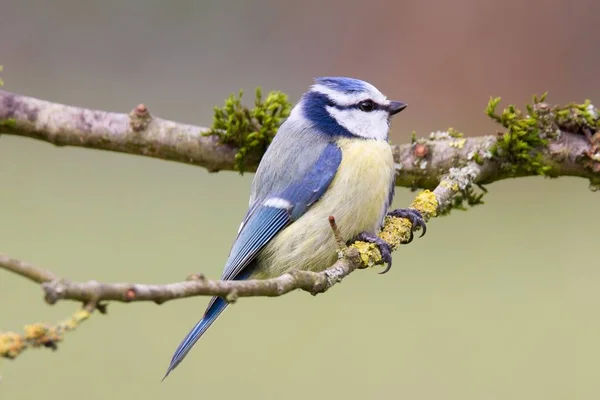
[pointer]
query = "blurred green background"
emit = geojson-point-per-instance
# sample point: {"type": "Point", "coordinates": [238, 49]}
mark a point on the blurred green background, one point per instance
{"type": "Point", "coordinates": [495, 303]}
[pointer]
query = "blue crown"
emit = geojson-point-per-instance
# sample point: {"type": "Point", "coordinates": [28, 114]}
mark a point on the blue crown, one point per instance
{"type": "Point", "coordinates": [342, 84]}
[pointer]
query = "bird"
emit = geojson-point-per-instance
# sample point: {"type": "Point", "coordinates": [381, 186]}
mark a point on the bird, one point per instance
{"type": "Point", "coordinates": [330, 157]}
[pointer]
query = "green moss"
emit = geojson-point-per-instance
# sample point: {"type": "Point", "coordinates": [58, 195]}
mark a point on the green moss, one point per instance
{"type": "Point", "coordinates": [454, 133]}
{"type": "Point", "coordinates": [578, 118]}
{"type": "Point", "coordinates": [8, 123]}
{"type": "Point", "coordinates": [527, 133]}
{"type": "Point", "coordinates": [249, 130]}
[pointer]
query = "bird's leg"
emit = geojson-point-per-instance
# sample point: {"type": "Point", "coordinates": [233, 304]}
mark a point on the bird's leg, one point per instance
{"type": "Point", "coordinates": [382, 245]}
{"type": "Point", "coordinates": [415, 218]}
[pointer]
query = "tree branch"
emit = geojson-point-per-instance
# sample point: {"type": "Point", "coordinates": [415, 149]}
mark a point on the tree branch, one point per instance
{"type": "Point", "coordinates": [420, 164]}
{"type": "Point", "coordinates": [135, 133]}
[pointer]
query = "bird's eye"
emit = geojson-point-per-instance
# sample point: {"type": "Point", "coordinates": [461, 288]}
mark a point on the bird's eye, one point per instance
{"type": "Point", "coordinates": [366, 105]}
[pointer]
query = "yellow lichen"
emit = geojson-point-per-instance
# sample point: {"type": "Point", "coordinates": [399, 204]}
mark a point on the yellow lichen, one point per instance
{"type": "Point", "coordinates": [395, 231]}
{"type": "Point", "coordinates": [368, 252]}
{"type": "Point", "coordinates": [11, 344]}
{"type": "Point", "coordinates": [426, 202]}
{"type": "Point", "coordinates": [39, 334]}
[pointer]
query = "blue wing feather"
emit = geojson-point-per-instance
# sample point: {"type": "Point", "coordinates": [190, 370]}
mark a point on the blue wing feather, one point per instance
{"type": "Point", "coordinates": [260, 225]}
{"type": "Point", "coordinates": [314, 184]}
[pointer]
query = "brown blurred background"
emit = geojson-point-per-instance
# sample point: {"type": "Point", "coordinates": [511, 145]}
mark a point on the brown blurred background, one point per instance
{"type": "Point", "coordinates": [495, 303]}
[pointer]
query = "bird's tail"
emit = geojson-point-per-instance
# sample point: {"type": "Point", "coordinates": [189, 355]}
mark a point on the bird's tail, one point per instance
{"type": "Point", "coordinates": [212, 312]}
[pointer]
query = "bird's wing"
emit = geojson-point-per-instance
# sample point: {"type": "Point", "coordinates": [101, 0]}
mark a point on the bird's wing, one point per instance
{"type": "Point", "coordinates": [269, 215]}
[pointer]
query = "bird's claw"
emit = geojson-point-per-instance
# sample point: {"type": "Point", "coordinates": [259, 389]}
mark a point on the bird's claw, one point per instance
{"type": "Point", "coordinates": [415, 218]}
{"type": "Point", "coordinates": [384, 248]}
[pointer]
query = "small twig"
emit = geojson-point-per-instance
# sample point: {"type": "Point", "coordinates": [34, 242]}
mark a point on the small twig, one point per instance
{"type": "Point", "coordinates": [341, 244]}
{"type": "Point", "coordinates": [25, 269]}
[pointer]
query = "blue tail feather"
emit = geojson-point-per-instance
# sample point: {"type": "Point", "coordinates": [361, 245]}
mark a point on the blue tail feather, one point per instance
{"type": "Point", "coordinates": [214, 310]}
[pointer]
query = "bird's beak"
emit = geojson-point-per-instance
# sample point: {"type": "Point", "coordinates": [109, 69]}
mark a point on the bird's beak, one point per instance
{"type": "Point", "coordinates": [395, 107]}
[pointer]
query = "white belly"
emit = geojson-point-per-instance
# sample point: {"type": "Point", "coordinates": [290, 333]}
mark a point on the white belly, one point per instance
{"type": "Point", "coordinates": [357, 198]}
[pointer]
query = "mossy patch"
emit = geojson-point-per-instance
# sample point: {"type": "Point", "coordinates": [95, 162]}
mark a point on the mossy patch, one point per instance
{"type": "Point", "coordinates": [519, 146]}
{"type": "Point", "coordinates": [249, 130]}
{"type": "Point", "coordinates": [8, 123]}
{"type": "Point", "coordinates": [527, 133]}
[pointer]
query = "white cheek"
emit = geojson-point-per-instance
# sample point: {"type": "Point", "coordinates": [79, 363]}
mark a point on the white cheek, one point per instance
{"type": "Point", "coordinates": [369, 125]}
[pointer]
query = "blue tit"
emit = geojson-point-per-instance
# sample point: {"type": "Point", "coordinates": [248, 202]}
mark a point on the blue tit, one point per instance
{"type": "Point", "coordinates": [331, 157]}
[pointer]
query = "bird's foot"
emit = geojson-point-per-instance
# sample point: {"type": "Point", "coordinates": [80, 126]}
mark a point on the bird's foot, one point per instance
{"type": "Point", "coordinates": [415, 218]}
{"type": "Point", "coordinates": [384, 248]}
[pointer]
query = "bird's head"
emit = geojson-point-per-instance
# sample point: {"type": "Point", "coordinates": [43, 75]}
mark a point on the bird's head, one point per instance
{"type": "Point", "coordinates": [349, 107]}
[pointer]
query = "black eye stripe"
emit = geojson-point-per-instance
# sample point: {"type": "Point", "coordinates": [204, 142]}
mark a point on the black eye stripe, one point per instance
{"type": "Point", "coordinates": [356, 106]}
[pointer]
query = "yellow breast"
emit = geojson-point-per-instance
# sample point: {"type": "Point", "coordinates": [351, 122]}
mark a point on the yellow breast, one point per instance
{"type": "Point", "coordinates": [357, 198]}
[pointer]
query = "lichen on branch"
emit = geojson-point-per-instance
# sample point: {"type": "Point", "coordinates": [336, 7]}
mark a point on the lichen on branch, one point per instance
{"type": "Point", "coordinates": [37, 335]}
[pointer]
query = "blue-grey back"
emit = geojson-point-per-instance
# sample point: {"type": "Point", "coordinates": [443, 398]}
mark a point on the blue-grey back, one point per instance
{"type": "Point", "coordinates": [294, 150]}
